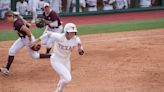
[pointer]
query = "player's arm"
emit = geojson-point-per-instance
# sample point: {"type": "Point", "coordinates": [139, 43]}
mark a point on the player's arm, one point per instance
{"type": "Point", "coordinates": [48, 34]}
{"type": "Point", "coordinates": [53, 24]}
{"type": "Point", "coordinates": [28, 32]}
{"type": "Point", "coordinates": [80, 47]}
{"type": "Point", "coordinates": [54, 20]}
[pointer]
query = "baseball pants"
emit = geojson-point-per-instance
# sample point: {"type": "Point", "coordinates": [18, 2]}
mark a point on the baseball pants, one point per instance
{"type": "Point", "coordinates": [20, 43]}
{"type": "Point", "coordinates": [63, 68]}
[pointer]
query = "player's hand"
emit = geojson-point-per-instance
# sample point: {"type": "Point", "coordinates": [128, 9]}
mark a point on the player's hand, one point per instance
{"type": "Point", "coordinates": [81, 52]}
{"type": "Point", "coordinates": [32, 44]}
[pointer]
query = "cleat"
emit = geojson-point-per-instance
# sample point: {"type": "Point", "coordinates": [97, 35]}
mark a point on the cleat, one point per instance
{"type": "Point", "coordinates": [4, 70]}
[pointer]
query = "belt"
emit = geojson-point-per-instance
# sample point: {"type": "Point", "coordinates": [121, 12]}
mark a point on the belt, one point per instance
{"type": "Point", "coordinates": [53, 27]}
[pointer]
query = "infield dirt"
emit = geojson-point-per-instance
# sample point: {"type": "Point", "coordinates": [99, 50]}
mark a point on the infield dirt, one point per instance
{"type": "Point", "coordinates": [115, 62]}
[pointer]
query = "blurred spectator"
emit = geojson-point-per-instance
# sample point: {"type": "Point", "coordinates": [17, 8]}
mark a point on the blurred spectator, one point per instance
{"type": "Point", "coordinates": [33, 4]}
{"type": "Point", "coordinates": [68, 7]}
{"type": "Point", "coordinates": [156, 2]}
{"type": "Point", "coordinates": [131, 3]}
{"type": "Point", "coordinates": [121, 4]}
{"type": "Point", "coordinates": [4, 6]}
{"type": "Point", "coordinates": [40, 6]}
{"type": "Point", "coordinates": [48, 1]}
{"type": "Point", "coordinates": [82, 5]}
{"type": "Point", "coordinates": [56, 5]}
{"type": "Point", "coordinates": [108, 4]}
{"type": "Point", "coordinates": [22, 7]}
{"type": "Point", "coordinates": [91, 5]}
{"type": "Point", "coordinates": [145, 3]}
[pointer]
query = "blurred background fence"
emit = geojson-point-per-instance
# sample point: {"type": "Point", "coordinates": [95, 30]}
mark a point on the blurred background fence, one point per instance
{"type": "Point", "coordinates": [80, 7]}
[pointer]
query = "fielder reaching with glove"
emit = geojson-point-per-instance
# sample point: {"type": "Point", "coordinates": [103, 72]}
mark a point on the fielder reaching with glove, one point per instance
{"type": "Point", "coordinates": [60, 59]}
{"type": "Point", "coordinates": [53, 24]}
{"type": "Point", "coordinates": [25, 39]}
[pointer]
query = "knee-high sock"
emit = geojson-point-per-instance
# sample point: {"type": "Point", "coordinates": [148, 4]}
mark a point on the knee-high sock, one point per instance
{"type": "Point", "coordinates": [45, 55]}
{"type": "Point", "coordinates": [10, 61]}
{"type": "Point", "coordinates": [48, 50]}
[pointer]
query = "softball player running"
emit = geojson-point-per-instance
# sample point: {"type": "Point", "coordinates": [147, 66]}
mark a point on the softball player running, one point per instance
{"type": "Point", "coordinates": [60, 59]}
{"type": "Point", "coordinates": [25, 39]}
{"type": "Point", "coordinates": [54, 25]}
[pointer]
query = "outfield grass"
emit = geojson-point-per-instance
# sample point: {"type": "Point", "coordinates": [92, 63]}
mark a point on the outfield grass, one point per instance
{"type": "Point", "coordinates": [98, 28]}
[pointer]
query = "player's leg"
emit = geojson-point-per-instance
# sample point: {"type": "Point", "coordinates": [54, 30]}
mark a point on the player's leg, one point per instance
{"type": "Point", "coordinates": [45, 42]}
{"type": "Point", "coordinates": [62, 71]}
{"type": "Point", "coordinates": [34, 14]}
{"type": "Point", "coordinates": [49, 45]}
{"type": "Point", "coordinates": [68, 5]}
{"type": "Point", "coordinates": [12, 51]}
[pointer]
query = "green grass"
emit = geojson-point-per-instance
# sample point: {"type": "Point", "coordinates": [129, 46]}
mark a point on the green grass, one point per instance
{"type": "Point", "coordinates": [98, 28]}
{"type": "Point", "coordinates": [121, 27]}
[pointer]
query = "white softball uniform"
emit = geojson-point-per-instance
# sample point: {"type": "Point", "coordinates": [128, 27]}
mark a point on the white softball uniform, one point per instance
{"type": "Point", "coordinates": [82, 4]}
{"type": "Point", "coordinates": [145, 3]}
{"type": "Point", "coordinates": [60, 59]}
{"type": "Point", "coordinates": [20, 43]}
{"type": "Point", "coordinates": [108, 6]}
{"type": "Point", "coordinates": [33, 4]}
{"type": "Point", "coordinates": [92, 5]}
{"type": "Point", "coordinates": [4, 6]}
{"type": "Point", "coordinates": [68, 5]}
{"type": "Point", "coordinates": [22, 8]}
{"type": "Point", "coordinates": [121, 4]}
{"type": "Point", "coordinates": [56, 5]}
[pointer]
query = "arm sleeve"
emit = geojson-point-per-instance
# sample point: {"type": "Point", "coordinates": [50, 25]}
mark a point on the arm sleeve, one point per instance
{"type": "Point", "coordinates": [79, 42]}
{"type": "Point", "coordinates": [45, 35]}
{"type": "Point", "coordinates": [52, 35]}
{"type": "Point", "coordinates": [54, 24]}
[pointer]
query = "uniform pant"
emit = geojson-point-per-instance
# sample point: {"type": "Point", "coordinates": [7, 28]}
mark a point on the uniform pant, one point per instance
{"type": "Point", "coordinates": [20, 43]}
{"type": "Point", "coordinates": [63, 68]}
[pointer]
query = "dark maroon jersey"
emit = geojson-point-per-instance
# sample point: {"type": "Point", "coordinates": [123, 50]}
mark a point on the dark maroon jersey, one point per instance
{"type": "Point", "coordinates": [17, 26]}
{"type": "Point", "coordinates": [52, 16]}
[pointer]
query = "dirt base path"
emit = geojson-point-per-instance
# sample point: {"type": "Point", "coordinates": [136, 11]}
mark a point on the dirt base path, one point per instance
{"type": "Point", "coordinates": [115, 62]}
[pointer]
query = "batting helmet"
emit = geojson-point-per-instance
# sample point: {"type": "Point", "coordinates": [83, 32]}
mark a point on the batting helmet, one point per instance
{"type": "Point", "coordinates": [70, 27]}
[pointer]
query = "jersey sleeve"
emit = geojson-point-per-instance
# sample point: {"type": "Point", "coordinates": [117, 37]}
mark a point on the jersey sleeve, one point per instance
{"type": "Point", "coordinates": [18, 25]}
{"type": "Point", "coordinates": [54, 16]}
{"type": "Point", "coordinates": [79, 42]}
{"type": "Point", "coordinates": [52, 35]}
